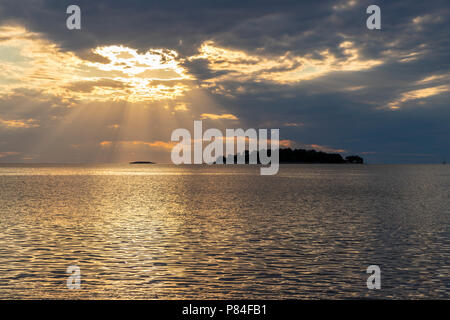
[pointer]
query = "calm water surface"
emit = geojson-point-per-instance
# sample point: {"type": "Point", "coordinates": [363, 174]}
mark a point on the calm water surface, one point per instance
{"type": "Point", "coordinates": [224, 232]}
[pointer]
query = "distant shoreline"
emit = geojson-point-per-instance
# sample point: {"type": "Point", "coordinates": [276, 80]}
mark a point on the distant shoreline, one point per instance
{"type": "Point", "coordinates": [170, 163]}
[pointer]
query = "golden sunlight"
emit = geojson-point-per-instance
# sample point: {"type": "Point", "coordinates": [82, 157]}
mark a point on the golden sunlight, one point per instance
{"type": "Point", "coordinates": [418, 94]}
{"type": "Point", "coordinates": [28, 61]}
{"type": "Point", "coordinates": [279, 69]}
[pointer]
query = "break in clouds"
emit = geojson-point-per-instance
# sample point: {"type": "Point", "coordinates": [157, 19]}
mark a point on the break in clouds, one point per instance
{"type": "Point", "coordinates": [137, 70]}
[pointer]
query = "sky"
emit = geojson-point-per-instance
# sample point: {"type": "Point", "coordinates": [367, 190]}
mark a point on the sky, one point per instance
{"type": "Point", "coordinates": [137, 70]}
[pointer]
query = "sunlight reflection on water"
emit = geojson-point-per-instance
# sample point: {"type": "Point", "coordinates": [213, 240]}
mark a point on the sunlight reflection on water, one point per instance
{"type": "Point", "coordinates": [157, 231]}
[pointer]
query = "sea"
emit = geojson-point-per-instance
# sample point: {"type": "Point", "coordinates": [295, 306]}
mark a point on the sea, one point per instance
{"type": "Point", "coordinates": [224, 231]}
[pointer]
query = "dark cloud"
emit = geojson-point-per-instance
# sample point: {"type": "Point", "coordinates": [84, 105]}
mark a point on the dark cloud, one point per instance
{"type": "Point", "coordinates": [342, 109]}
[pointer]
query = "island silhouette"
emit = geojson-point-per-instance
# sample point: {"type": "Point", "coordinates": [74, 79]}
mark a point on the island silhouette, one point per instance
{"type": "Point", "coordinates": [142, 162]}
{"type": "Point", "coordinates": [289, 155]}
